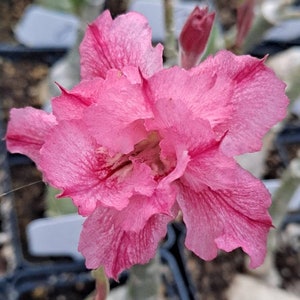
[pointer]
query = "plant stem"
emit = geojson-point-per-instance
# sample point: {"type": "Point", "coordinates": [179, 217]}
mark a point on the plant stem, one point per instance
{"type": "Point", "coordinates": [144, 281]}
{"type": "Point", "coordinates": [170, 41]}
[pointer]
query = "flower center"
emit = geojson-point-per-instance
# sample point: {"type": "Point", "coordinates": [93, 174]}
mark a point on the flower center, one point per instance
{"type": "Point", "coordinates": [146, 151]}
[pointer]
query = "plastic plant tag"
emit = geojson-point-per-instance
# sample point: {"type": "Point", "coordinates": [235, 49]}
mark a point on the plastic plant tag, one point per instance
{"type": "Point", "coordinates": [43, 28]}
{"type": "Point", "coordinates": [55, 236]}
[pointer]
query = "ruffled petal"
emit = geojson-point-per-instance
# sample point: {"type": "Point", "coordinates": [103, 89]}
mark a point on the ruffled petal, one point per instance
{"type": "Point", "coordinates": [179, 128]}
{"type": "Point", "coordinates": [71, 104]}
{"type": "Point", "coordinates": [27, 131]}
{"type": "Point", "coordinates": [166, 191]}
{"type": "Point", "coordinates": [224, 207]}
{"type": "Point", "coordinates": [258, 99]}
{"type": "Point", "coordinates": [73, 162]}
{"type": "Point", "coordinates": [114, 44]}
{"type": "Point", "coordinates": [106, 239]}
{"type": "Point", "coordinates": [119, 239]}
{"type": "Point", "coordinates": [204, 96]}
{"type": "Point", "coordinates": [238, 95]}
{"type": "Point", "coordinates": [119, 113]}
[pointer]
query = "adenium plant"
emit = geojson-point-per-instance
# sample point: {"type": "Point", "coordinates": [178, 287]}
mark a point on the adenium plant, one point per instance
{"type": "Point", "coordinates": [134, 144]}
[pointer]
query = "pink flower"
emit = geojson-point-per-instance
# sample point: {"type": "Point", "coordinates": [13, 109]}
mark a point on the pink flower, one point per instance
{"type": "Point", "coordinates": [134, 144]}
{"type": "Point", "coordinates": [194, 36]}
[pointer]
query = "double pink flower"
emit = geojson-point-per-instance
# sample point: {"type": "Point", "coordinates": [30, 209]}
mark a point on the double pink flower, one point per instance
{"type": "Point", "coordinates": [134, 144]}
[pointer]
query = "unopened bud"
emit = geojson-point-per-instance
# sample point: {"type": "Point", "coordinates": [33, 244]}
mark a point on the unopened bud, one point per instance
{"type": "Point", "coordinates": [245, 16]}
{"type": "Point", "coordinates": [194, 36]}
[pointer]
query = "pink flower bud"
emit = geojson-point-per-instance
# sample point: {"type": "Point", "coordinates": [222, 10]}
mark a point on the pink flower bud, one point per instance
{"type": "Point", "coordinates": [194, 36]}
{"type": "Point", "coordinates": [245, 16]}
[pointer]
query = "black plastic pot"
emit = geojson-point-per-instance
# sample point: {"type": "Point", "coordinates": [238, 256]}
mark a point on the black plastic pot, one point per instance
{"type": "Point", "coordinates": [172, 254]}
{"type": "Point", "coordinates": [44, 55]}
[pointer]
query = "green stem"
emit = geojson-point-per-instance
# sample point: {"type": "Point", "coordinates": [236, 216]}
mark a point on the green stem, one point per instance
{"type": "Point", "coordinates": [170, 41]}
{"type": "Point", "coordinates": [144, 281]}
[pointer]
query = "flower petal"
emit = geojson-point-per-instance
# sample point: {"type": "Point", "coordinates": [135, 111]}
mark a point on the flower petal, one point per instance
{"type": "Point", "coordinates": [179, 128]}
{"type": "Point", "coordinates": [104, 240]}
{"type": "Point", "coordinates": [231, 204]}
{"type": "Point", "coordinates": [205, 96]}
{"type": "Point", "coordinates": [258, 99]}
{"type": "Point", "coordinates": [119, 114]}
{"type": "Point", "coordinates": [114, 44]}
{"type": "Point", "coordinates": [27, 131]}
{"type": "Point", "coordinates": [238, 95]}
{"type": "Point", "coordinates": [71, 104]}
{"type": "Point", "coordinates": [73, 162]}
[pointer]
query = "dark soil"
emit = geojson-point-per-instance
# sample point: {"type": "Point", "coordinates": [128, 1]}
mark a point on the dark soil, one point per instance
{"type": "Point", "coordinates": [283, 150]}
{"type": "Point", "coordinates": [19, 82]}
{"type": "Point", "coordinates": [10, 13]}
{"type": "Point", "coordinates": [226, 11]}
{"type": "Point", "coordinates": [211, 279]}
